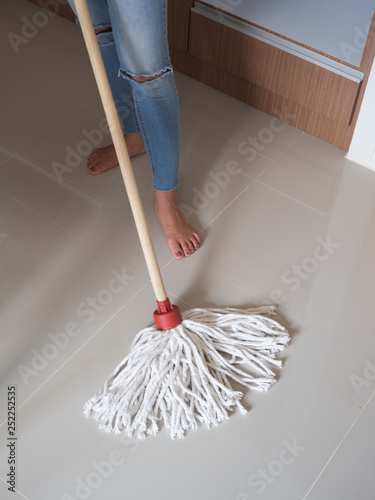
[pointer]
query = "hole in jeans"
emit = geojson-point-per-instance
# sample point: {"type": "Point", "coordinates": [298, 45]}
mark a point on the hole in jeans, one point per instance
{"type": "Point", "coordinates": [143, 79]}
{"type": "Point", "coordinates": [105, 29]}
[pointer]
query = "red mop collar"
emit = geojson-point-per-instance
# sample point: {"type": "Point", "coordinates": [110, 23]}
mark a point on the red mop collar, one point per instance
{"type": "Point", "coordinates": [167, 316]}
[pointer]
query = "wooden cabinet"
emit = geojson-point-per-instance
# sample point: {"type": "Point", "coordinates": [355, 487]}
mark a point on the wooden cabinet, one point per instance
{"type": "Point", "coordinates": [178, 23]}
{"type": "Point", "coordinates": [272, 69]}
{"type": "Point", "coordinates": [311, 90]}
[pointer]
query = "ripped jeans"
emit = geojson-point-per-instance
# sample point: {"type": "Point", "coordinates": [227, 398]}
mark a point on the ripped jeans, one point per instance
{"type": "Point", "coordinates": [136, 45]}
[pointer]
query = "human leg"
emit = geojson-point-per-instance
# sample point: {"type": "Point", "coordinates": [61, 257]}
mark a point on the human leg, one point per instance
{"type": "Point", "coordinates": [140, 31]}
{"type": "Point", "coordinates": [154, 93]}
{"type": "Point", "coordinates": [104, 158]}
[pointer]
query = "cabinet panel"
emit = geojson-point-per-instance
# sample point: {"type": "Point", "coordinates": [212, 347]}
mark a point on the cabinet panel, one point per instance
{"type": "Point", "coordinates": [178, 22]}
{"type": "Point", "coordinates": [268, 67]}
{"type": "Point", "coordinates": [333, 27]}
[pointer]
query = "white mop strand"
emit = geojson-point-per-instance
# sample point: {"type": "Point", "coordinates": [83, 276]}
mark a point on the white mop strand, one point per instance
{"type": "Point", "coordinates": [181, 376]}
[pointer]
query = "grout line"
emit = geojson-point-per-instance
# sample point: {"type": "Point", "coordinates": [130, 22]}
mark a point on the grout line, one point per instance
{"type": "Point", "coordinates": [77, 351]}
{"type": "Point", "coordinates": [182, 300]}
{"type": "Point", "coordinates": [251, 150]}
{"type": "Point", "coordinates": [11, 152]}
{"type": "Point", "coordinates": [70, 187]}
{"type": "Point", "coordinates": [55, 126]}
{"type": "Point", "coordinates": [253, 179]}
{"type": "Point", "coordinates": [234, 199]}
{"type": "Point", "coordinates": [2, 163]}
{"type": "Point", "coordinates": [290, 145]}
{"type": "Point", "coordinates": [291, 198]}
{"type": "Point", "coordinates": [331, 389]}
{"type": "Point", "coordinates": [17, 491]}
{"type": "Point", "coordinates": [64, 184]}
{"type": "Point", "coordinates": [367, 403]}
{"type": "Point", "coordinates": [75, 236]}
{"type": "Point", "coordinates": [331, 457]}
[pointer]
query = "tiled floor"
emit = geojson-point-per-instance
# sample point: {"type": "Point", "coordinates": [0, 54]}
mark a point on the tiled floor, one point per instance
{"type": "Point", "coordinates": [292, 222]}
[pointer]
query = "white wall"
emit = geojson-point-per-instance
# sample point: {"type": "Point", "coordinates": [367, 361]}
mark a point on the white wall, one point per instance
{"type": "Point", "coordinates": [362, 147]}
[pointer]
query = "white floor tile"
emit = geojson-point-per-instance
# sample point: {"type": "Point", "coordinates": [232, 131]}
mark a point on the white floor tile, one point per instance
{"type": "Point", "coordinates": [244, 261]}
{"type": "Point", "coordinates": [9, 494]}
{"type": "Point", "coordinates": [43, 27]}
{"type": "Point", "coordinates": [56, 293]}
{"type": "Point", "coordinates": [94, 208]}
{"type": "Point", "coordinates": [37, 93]}
{"type": "Point", "coordinates": [310, 172]}
{"type": "Point", "coordinates": [5, 4]}
{"type": "Point", "coordinates": [251, 129]}
{"type": "Point", "coordinates": [349, 474]}
{"type": "Point", "coordinates": [284, 218]}
{"type": "Point", "coordinates": [213, 175]}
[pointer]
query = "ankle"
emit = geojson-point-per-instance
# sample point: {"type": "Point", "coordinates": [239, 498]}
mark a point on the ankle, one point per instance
{"type": "Point", "coordinates": [134, 144]}
{"type": "Point", "coordinates": [165, 199]}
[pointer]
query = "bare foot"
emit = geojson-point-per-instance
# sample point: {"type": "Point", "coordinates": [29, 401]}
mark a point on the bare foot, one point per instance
{"type": "Point", "coordinates": [182, 239]}
{"type": "Point", "coordinates": [102, 159]}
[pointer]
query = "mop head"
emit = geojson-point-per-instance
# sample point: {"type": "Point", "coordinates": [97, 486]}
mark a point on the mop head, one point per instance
{"type": "Point", "coordinates": [181, 377]}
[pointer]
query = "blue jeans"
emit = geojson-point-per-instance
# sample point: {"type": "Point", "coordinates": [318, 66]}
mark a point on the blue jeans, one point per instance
{"type": "Point", "coordinates": [137, 46]}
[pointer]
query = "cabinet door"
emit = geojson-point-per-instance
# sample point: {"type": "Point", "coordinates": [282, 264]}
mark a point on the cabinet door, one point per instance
{"type": "Point", "coordinates": [273, 69]}
{"type": "Point", "coordinates": [316, 92]}
{"type": "Point", "coordinates": [178, 23]}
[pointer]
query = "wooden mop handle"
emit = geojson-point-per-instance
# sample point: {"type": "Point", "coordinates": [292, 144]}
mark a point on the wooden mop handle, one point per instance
{"type": "Point", "coordinates": [117, 134]}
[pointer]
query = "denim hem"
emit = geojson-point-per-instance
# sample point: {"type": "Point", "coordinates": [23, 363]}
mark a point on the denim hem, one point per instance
{"type": "Point", "coordinates": [165, 190]}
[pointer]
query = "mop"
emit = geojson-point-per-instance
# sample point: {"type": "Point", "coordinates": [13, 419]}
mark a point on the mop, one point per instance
{"type": "Point", "coordinates": [180, 371]}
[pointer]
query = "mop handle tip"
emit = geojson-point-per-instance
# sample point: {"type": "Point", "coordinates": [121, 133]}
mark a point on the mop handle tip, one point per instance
{"type": "Point", "coordinates": [167, 316]}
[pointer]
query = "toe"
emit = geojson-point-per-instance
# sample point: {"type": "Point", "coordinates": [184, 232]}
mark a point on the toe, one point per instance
{"type": "Point", "coordinates": [195, 242]}
{"type": "Point", "coordinates": [92, 163]}
{"type": "Point", "coordinates": [186, 247]}
{"type": "Point", "coordinates": [190, 245]}
{"type": "Point", "coordinates": [95, 162]}
{"type": "Point", "coordinates": [92, 170]}
{"type": "Point", "coordinates": [176, 249]}
{"type": "Point", "coordinates": [197, 237]}
{"type": "Point", "coordinates": [92, 158]}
